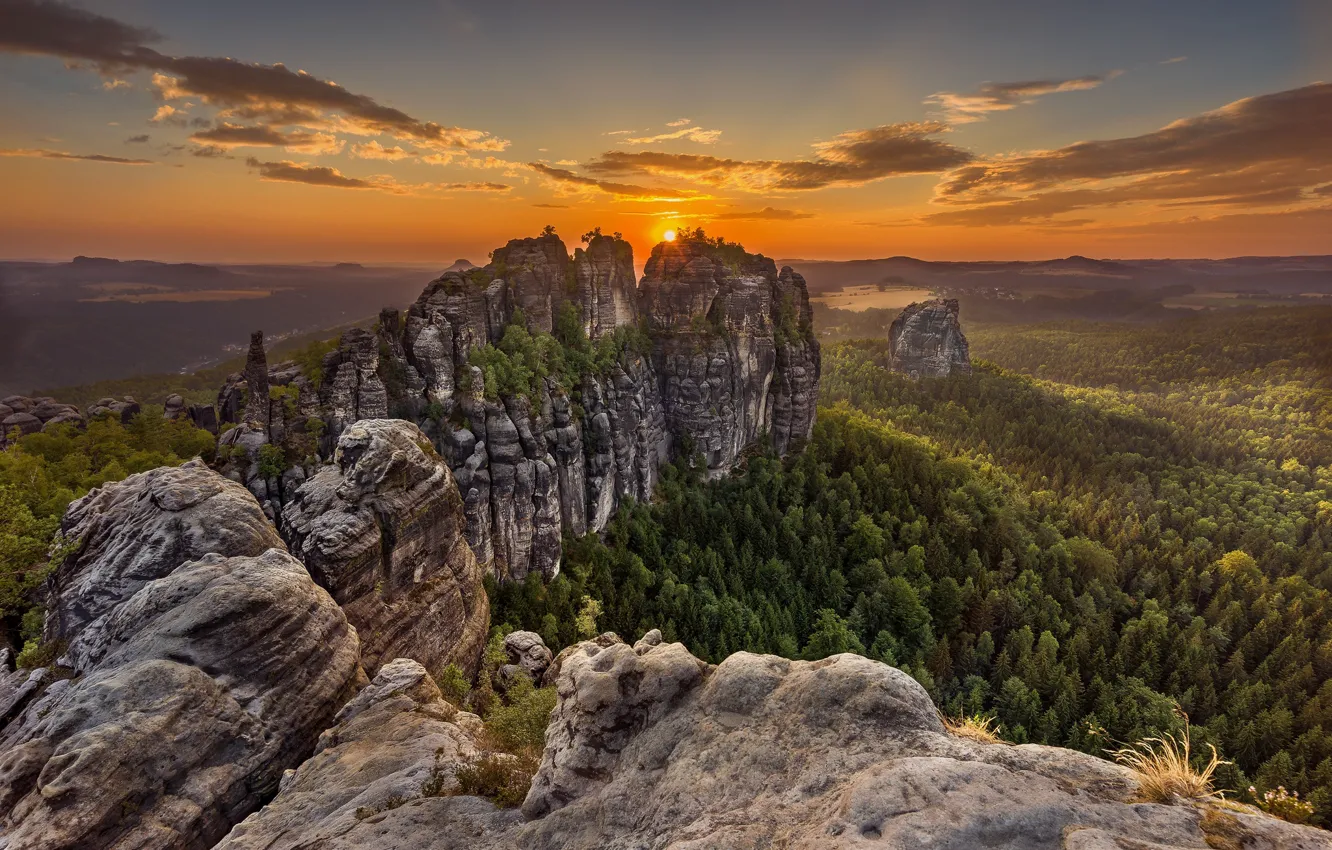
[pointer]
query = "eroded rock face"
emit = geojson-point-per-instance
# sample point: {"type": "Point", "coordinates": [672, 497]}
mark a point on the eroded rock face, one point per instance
{"type": "Point", "coordinates": [927, 341]}
{"type": "Point", "coordinates": [735, 351]}
{"type": "Point", "coordinates": [362, 790]}
{"type": "Point", "coordinates": [382, 529]}
{"type": "Point", "coordinates": [730, 356]}
{"type": "Point", "coordinates": [650, 747]}
{"type": "Point", "coordinates": [205, 662]}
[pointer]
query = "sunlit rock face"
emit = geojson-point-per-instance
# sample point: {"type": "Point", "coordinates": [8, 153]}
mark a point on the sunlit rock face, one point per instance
{"type": "Point", "coordinates": [713, 351]}
{"type": "Point", "coordinates": [927, 341]}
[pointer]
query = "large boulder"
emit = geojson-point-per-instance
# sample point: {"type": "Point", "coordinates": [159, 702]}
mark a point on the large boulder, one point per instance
{"type": "Point", "coordinates": [363, 789]}
{"type": "Point", "coordinates": [200, 661]}
{"type": "Point", "coordinates": [926, 340]}
{"type": "Point", "coordinates": [382, 528]}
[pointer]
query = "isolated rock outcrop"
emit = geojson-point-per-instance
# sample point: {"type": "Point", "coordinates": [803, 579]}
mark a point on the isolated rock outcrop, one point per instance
{"type": "Point", "coordinates": [200, 661]}
{"type": "Point", "coordinates": [382, 529]}
{"type": "Point", "coordinates": [927, 340]}
{"type": "Point", "coordinates": [714, 350]}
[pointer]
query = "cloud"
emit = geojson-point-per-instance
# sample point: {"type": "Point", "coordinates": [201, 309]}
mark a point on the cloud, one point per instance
{"type": "Point", "coordinates": [852, 158]}
{"type": "Point", "coordinates": [374, 150]}
{"type": "Point", "coordinates": [287, 171]}
{"type": "Point", "coordinates": [1173, 60]}
{"type": "Point", "coordinates": [679, 122]}
{"type": "Point", "coordinates": [227, 135]}
{"type": "Point", "coordinates": [1273, 149]}
{"type": "Point", "coordinates": [568, 180]}
{"type": "Point", "coordinates": [618, 133]}
{"type": "Point", "coordinates": [112, 85]}
{"type": "Point", "coordinates": [137, 140]}
{"type": "Point", "coordinates": [999, 97]}
{"type": "Point", "coordinates": [692, 134]}
{"type": "Point", "coordinates": [271, 94]}
{"type": "Point", "coordinates": [211, 152]}
{"type": "Point", "coordinates": [89, 157]}
{"type": "Point", "coordinates": [765, 214]}
{"type": "Point", "coordinates": [473, 187]}
{"type": "Point", "coordinates": [551, 206]}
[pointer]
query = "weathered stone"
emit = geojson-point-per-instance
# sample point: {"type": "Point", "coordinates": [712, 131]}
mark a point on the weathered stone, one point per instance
{"type": "Point", "coordinates": [363, 789]}
{"type": "Point", "coordinates": [382, 528]}
{"type": "Point", "coordinates": [927, 340]}
{"type": "Point", "coordinates": [206, 663]}
{"type": "Point", "coordinates": [528, 651]}
{"type": "Point", "coordinates": [174, 407]}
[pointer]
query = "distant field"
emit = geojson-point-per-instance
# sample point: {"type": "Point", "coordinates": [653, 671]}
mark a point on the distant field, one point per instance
{"type": "Point", "coordinates": [182, 296]}
{"type": "Point", "coordinates": [858, 298]}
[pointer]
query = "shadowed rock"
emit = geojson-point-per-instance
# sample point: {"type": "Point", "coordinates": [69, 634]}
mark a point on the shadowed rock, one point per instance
{"type": "Point", "coordinates": [382, 528]}
{"type": "Point", "coordinates": [927, 341]}
{"type": "Point", "coordinates": [205, 659]}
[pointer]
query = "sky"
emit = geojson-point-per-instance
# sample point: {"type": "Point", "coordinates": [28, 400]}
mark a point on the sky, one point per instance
{"type": "Point", "coordinates": [431, 130]}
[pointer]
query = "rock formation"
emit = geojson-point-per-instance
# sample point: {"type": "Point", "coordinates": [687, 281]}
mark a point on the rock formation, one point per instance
{"type": "Point", "coordinates": [927, 341]}
{"type": "Point", "coordinates": [23, 415]}
{"type": "Point", "coordinates": [381, 528]}
{"type": "Point", "coordinates": [199, 662]}
{"type": "Point", "coordinates": [713, 351]}
{"type": "Point", "coordinates": [651, 747]}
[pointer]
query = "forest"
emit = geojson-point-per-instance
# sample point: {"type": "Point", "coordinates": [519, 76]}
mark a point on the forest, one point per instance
{"type": "Point", "coordinates": [1119, 530]}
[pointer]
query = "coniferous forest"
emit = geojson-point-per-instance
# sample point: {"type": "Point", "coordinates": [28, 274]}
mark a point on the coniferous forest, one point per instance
{"type": "Point", "coordinates": [1104, 532]}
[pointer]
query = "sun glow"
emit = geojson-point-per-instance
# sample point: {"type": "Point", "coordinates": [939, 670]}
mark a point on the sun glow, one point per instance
{"type": "Point", "coordinates": [669, 236]}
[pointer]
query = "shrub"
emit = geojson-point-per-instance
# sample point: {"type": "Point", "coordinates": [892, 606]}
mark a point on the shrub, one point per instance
{"type": "Point", "coordinates": [501, 777]}
{"type": "Point", "coordinates": [453, 683]}
{"type": "Point", "coordinates": [1284, 804]}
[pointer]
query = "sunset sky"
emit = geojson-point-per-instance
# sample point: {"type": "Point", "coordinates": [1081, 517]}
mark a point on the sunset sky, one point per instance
{"type": "Point", "coordinates": [426, 130]}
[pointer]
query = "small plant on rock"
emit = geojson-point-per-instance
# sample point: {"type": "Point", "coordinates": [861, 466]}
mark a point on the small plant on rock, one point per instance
{"type": "Point", "coordinates": [1283, 804]}
{"type": "Point", "coordinates": [977, 727]}
{"type": "Point", "coordinates": [1165, 769]}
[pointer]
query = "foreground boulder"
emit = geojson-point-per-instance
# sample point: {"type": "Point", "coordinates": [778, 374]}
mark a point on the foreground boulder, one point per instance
{"type": "Point", "coordinates": [649, 747]}
{"type": "Point", "coordinates": [200, 662]}
{"type": "Point", "coordinates": [382, 528]}
{"type": "Point", "coordinates": [927, 341]}
{"type": "Point", "coordinates": [363, 789]}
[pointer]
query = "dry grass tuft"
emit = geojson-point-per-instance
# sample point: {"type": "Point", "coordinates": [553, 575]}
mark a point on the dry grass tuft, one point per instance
{"type": "Point", "coordinates": [977, 727]}
{"type": "Point", "coordinates": [1165, 770]}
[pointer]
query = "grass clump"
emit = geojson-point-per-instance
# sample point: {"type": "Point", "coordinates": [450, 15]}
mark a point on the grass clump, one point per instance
{"type": "Point", "coordinates": [1165, 769]}
{"type": "Point", "coordinates": [977, 727]}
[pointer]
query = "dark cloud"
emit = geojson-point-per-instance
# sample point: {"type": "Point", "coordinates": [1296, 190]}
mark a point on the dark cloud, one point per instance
{"type": "Point", "coordinates": [211, 152]}
{"type": "Point", "coordinates": [852, 158]}
{"type": "Point", "coordinates": [1260, 151]}
{"type": "Point", "coordinates": [228, 135]}
{"type": "Point", "coordinates": [88, 157]}
{"type": "Point", "coordinates": [274, 94]}
{"type": "Point", "coordinates": [551, 206]}
{"type": "Point", "coordinates": [287, 171]}
{"type": "Point", "coordinates": [998, 97]}
{"type": "Point", "coordinates": [765, 214]}
{"type": "Point", "coordinates": [137, 140]}
{"type": "Point", "coordinates": [566, 178]}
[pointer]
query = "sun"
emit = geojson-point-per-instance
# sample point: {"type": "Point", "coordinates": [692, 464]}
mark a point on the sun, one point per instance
{"type": "Point", "coordinates": [669, 236]}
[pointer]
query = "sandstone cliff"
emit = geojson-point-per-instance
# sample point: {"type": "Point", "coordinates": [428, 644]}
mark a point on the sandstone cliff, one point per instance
{"type": "Point", "coordinates": [927, 340]}
{"type": "Point", "coordinates": [651, 747]}
{"type": "Point", "coordinates": [381, 528]}
{"type": "Point", "coordinates": [712, 351]}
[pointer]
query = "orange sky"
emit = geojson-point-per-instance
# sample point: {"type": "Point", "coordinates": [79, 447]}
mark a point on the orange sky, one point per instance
{"type": "Point", "coordinates": [130, 144]}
